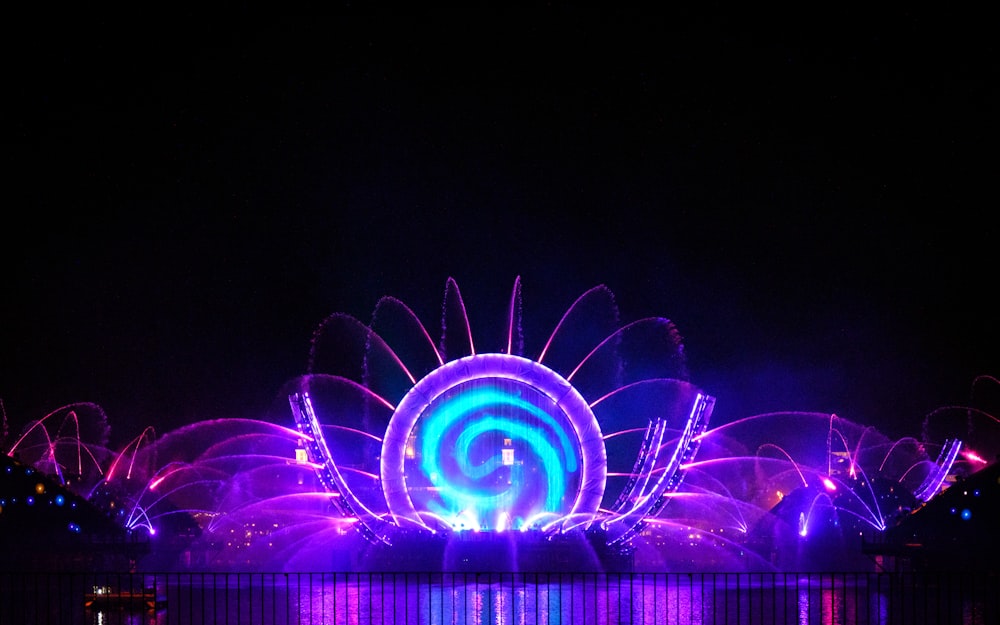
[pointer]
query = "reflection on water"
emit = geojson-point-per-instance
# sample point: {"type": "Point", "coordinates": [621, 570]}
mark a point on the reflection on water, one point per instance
{"type": "Point", "coordinates": [521, 599]}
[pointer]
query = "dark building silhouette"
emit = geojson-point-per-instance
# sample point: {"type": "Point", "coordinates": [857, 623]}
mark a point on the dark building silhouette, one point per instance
{"type": "Point", "coordinates": [44, 526]}
{"type": "Point", "coordinates": [955, 531]}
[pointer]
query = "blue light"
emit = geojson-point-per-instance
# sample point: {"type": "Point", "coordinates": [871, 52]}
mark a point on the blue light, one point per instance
{"type": "Point", "coordinates": [468, 478]}
{"type": "Point", "coordinates": [60, 500]}
{"type": "Point", "coordinates": [966, 514]}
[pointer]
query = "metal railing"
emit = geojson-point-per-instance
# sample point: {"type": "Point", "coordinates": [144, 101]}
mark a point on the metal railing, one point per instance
{"type": "Point", "coordinates": [190, 598]}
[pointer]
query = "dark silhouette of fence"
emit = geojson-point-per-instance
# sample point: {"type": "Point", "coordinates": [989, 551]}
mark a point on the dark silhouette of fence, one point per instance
{"type": "Point", "coordinates": [189, 598]}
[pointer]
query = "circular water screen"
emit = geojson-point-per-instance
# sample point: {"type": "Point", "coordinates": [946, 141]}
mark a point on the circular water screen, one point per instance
{"type": "Point", "coordinates": [490, 443]}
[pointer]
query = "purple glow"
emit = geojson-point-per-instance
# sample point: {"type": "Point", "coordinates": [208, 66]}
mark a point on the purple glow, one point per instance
{"type": "Point", "coordinates": [602, 439]}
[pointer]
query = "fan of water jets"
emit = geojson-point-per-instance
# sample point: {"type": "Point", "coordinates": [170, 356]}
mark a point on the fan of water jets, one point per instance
{"type": "Point", "coordinates": [768, 491]}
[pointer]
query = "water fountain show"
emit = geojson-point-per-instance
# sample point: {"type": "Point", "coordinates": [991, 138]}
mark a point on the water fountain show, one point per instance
{"type": "Point", "coordinates": [405, 446]}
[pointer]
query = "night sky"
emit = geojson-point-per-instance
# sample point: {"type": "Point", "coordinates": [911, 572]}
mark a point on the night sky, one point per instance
{"type": "Point", "coordinates": [809, 197]}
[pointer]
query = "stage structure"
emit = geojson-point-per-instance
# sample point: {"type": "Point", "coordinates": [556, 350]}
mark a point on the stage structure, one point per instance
{"type": "Point", "coordinates": [498, 442]}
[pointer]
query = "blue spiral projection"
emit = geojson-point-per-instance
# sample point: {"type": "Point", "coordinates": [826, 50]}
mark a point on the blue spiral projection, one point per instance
{"type": "Point", "coordinates": [491, 456]}
{"type": "Point", "coordinates": [492, 443]}
{"type": "Point", "coordinates": [462, 455]}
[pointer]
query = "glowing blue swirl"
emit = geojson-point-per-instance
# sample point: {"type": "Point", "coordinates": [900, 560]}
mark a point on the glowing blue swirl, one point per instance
{"type": "Point", "coordinates": [493, 441]}
{"type": "Point", "coordinates": [455, 412]}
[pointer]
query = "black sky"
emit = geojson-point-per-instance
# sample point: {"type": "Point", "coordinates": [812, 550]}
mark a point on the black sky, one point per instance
{"type": "Point", "coordinates": [809, 197]}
